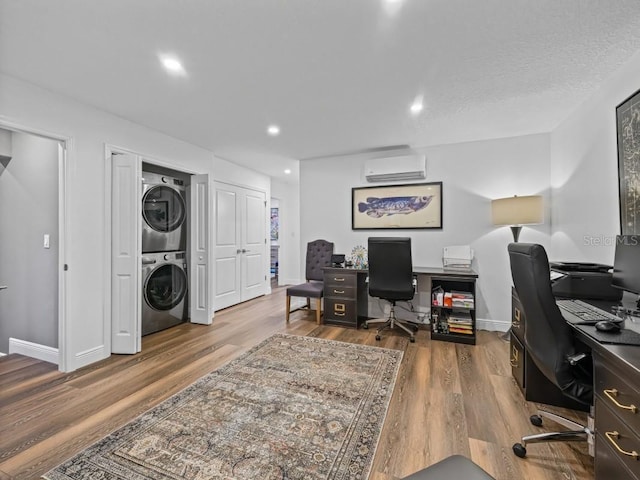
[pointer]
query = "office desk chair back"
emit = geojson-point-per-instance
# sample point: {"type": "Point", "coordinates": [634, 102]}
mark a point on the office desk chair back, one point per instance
{"type": "Point", "coordinates": [549, 340]}
{"type": "Point", "coordinates": [391, 278]}
{"type": "Point", "coordinates": [318, 256]}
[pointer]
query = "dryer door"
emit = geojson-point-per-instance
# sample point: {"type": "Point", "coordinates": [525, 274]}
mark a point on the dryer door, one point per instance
{"type": "Point", "coordinates": [165, 287]}
{"type": "Point", "coordinates": [163, 208]}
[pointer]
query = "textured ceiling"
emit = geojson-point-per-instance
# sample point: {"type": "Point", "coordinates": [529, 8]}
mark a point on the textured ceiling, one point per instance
{"type": "Point", "coordinates": [336, 75]}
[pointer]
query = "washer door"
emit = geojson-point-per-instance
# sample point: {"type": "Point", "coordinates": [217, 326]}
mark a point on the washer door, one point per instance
{"type": "Point", "coordinates": [163, 208]}
{"type": "Point", "coordinates": [165, 287]}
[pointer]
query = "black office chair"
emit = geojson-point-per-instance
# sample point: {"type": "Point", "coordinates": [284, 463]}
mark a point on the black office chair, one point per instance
{"type": "Point", "coordinates": [550, 343]}
{"type": "Point", "coordinates": [318, 256]}
{"type": "Point", "coordinates": [391, 278]}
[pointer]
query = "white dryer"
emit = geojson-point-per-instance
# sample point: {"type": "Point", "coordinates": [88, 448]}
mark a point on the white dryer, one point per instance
{"type": "Point", "coordinates": [164, 213]}
{"type": "Point", "coordinates": [164, 290]}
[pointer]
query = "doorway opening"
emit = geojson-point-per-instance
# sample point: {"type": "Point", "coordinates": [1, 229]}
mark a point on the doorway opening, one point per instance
{"type": "Point", "coordinates": [32, 233]}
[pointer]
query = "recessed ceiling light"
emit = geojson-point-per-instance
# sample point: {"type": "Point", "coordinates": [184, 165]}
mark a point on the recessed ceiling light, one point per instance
{"type": "Point", "coordinates": [417, 105]}
{"type": "Point", "coordinates": [172, 64]}
{"type": "Point", "coordinates": [273, 130]}
{"type": "Point", "coordinates": [287, 171]}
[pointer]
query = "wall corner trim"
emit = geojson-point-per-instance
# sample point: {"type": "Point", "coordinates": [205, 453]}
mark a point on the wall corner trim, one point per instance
{"type": "Point", "coordinates": [34, 350]}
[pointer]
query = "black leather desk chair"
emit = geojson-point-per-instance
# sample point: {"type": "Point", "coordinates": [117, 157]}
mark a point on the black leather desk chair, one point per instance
{"type": "Point", "coordinates": [550, 342]}
{"type": "Point", "coordinates": [318, 256]}
{"type": "Point", "coordinates": [391, 278]}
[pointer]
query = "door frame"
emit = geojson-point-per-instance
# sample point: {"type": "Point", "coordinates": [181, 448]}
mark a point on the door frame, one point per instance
{"type": "Point", "coordinates": [109, 150]}
{"type": "Point", "coordinates": [65, 156]}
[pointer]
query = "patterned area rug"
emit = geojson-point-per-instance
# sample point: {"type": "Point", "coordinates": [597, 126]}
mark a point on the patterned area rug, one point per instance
{"type": "Point", "coordinates": [290, 408]}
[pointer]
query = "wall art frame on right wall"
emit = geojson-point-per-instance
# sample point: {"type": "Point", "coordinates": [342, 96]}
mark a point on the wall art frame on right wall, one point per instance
{"type": "Point", "coordinates": [628, 128]}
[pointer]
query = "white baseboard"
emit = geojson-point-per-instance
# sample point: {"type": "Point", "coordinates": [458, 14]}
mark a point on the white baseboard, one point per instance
{"type": "Point", "coordinates": [34, 350]}
{"type": "Point", "coordinates": [492, 325]}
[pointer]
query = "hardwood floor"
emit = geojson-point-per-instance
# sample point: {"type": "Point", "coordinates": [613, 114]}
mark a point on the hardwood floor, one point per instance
{"type": "Point", "coordinates": [448, 398]}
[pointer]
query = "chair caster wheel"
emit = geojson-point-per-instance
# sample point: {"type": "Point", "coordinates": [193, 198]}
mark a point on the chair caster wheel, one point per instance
{"type": "Point", "coordinates": [519, 450]}
{"type": "Point", "coordinates": [377, 337]}
{"type": "Point", "coordinates": [536, 420]}
{"type": "Point", "coordinates": [365, 326]}
{"type": "Point", "coordinates": [415, 328]}
{"type": "Point", "coordinates": [412, 339]}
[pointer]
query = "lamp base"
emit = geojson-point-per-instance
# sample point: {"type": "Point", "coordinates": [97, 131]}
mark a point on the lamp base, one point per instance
{"type": "Point", "coordinates": [516, 232]}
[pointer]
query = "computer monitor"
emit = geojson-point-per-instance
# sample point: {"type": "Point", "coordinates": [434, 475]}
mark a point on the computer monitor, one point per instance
{"type": "Point", "coordinates": [626, 264]}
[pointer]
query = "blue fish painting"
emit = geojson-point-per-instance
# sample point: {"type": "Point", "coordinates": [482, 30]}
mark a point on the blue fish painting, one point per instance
{"type": "Point", "coordinates": [378, 207]}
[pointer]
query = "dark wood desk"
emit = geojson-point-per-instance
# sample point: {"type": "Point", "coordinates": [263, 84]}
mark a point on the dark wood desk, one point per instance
{"type": "Point", "coordinates": [617, 403]}
{"type": "Point", "coordinates": [346, 298]}
{"type": "Point", "coordinates": [616, 395]}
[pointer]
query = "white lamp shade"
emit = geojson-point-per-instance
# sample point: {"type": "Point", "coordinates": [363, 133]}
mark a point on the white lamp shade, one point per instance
{"type": "Point", "coordinates": [527, 210]}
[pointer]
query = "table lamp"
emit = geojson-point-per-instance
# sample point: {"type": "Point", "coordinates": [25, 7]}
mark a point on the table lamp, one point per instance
{"type": "Point", "coordinates": [517, 211]}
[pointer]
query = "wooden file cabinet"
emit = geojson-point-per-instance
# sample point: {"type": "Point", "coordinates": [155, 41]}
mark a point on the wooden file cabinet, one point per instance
{"type": "Point", "coordinates": [345, 297]}
{"type": "Point", "coordinates": [617, 419]}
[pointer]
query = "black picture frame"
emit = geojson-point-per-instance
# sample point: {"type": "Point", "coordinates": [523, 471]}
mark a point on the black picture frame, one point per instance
{"type": "Point", "coordinates": [397, 207]}
{"type": "Point", "coordinates": [628, 134]}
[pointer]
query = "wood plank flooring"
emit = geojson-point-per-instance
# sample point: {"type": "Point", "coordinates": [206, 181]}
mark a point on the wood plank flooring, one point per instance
{"type": "Point", "coordinates": [448, 398]}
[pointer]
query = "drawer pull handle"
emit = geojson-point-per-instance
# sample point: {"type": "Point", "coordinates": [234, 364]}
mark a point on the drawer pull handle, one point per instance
{"type": "Point", "coordinates": [340, 314]}
{"type": "Point", "coordinates": [612, 393]}
{"type": "Point", "coordinates": [338, 279]}
{"type": "Point", "coordinates": [338, 291]}
{"type": "Point", "coordinates": [615, 435]}
{"type": "Point", "coordinates": [515, 356]}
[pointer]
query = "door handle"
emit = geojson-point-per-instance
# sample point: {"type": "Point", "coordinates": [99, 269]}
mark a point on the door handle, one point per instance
{"type": "Point", "coordinates": [238, 251]}
{"type": "Point", "coordinates": [3, 287]}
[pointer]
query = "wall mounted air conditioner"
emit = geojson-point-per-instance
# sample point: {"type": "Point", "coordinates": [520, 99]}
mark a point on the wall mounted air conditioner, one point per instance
{"type": "Point", "coordinates": [389, 169]}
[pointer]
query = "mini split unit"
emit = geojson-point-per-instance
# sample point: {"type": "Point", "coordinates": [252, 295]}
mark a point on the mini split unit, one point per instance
{"type": "Point", "coordinates": [389, 169]}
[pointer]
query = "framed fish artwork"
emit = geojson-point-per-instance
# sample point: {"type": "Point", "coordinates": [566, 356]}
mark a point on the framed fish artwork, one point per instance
{"type": "Point", "coordinates": [410, 206]}
{"type": "Point", "coordinates": [628, 126]}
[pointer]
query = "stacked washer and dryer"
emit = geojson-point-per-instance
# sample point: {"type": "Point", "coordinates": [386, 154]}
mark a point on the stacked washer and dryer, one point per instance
{"type": "Point", "coordinates": [164, 261]}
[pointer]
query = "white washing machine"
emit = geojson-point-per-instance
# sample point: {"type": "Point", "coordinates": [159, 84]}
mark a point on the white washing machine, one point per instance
{"type": "Point", "coordinates": [164, 290]}
{"type": "Point", "coordinates": [164, 213]}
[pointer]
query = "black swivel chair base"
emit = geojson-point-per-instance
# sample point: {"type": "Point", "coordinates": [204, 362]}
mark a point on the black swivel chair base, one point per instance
{"type": "Point", "coordinates": [392, 322]}
{"type": "Point", "coordinates": [579, 433]}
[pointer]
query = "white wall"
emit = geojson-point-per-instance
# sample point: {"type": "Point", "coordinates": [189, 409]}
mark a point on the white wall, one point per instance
{"type": "Point", "coordinates": [472, 174]}
{"type": "Point", "coordinates": [584, 173]}
{"type": "Point", "coordinates": [25, 105]}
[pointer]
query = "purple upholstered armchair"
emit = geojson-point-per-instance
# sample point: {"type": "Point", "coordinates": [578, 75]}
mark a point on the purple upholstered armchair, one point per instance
{"type": "Point", "coordinates": [318, 256]}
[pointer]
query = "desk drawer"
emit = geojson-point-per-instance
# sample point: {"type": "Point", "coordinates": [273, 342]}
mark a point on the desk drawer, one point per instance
{"type": "Point", "coordinates": [340, 292]}
{"type": "Point", "coordinates": [517, 361]}
{"type": "Point", "coordinates": [341, 312]}
{"type": "Point", "coordinates": [517, 317]}
{"type": "Point", "coordinates": [607, 464]}
{"type": "Point", "coordinates": [619, 437]}
{"type": "Point", "coordinates": [346, 279]}
{"type": "Point", "coordinates": [612, 389]}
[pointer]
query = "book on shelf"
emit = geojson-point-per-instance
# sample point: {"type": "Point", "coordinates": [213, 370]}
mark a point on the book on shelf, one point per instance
{"type": "Point", "coordinates": [460, 330]}
{"type": "Point", "coordinates": [463, 323]}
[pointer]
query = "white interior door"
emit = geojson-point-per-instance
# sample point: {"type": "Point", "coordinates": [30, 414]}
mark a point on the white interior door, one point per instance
{"type": "Point", "coordinates": [241, 245]}
{"type": "Point", "coordinates": [200, 265]}
{"type": "Point", "coordinates": [228, 245]}
{"type": "Point", "coordinates": [125, 259]}
{"type": "Point", "coordinates": [254, 244]}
